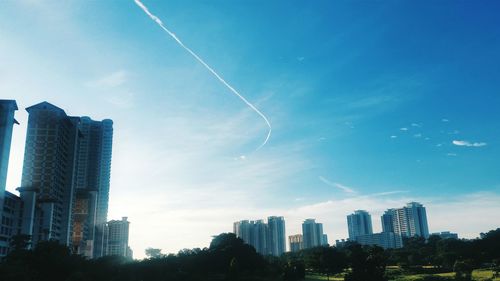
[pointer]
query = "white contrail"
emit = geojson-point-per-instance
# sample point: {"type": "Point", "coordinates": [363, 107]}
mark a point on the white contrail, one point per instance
{"type": "Point", "coordinates": [160, 23]}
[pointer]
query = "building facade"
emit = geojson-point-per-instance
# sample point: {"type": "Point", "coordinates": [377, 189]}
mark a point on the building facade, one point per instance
{"type": "Point", "coordinates": [359, 223]}
{"type": "Point", "coordinates": [7, 121]}
{"type": "Point", "coordinates": [296, 242]}
{"type": "Point", "coordinates": [312, 233]}
{"type": "Point", "coordinates": [10, 224]}
{"type": "Point", "coordinates": [65, 179]}
{"type": "Point", "coordinates": [92, 178]}
{"type": "Point", "coordinates": [277, 236]}
{"type": "Point", "coordinates": [446, 235]}
{"type": "Point", "coordinates": [253, 233]}
{"type": "Point", "coordinates": [117, 238]}
{"type": "Point", "coordinates": [408, 221]}
{"type": "Point", "coordinates": [47, 184]}
{"type": "Point", "coordinates": [386, 240]}
{"type": "Point", "coordinates": [267, 239]}
{"type": "Point", "coordinates": [8, 204]}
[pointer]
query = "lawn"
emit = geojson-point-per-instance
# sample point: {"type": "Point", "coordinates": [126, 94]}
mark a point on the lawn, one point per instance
{"type": "Point", "coordinates": [477, 275]}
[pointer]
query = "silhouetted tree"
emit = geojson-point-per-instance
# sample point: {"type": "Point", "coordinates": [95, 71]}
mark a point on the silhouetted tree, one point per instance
{"type": "Point", "coordinates": [366, 263]}
{"type": "Point", "coordinates": [20, 242]}
{"type": "Point", "coordinates": [153, 253]}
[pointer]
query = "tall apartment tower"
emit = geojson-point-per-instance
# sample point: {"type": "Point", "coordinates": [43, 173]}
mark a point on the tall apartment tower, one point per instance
{"type": "Point", "coordinates": [387, 221]}
{"type": "Point", "coordinates": [253, 233]}
{"type": "Point", "coordinates": [312, 233]}
{"type": "Point", "coordinates": [408, 221]}
{"type": "Point", "coordinates": [65, 180]}
{"type": "Point", "coordinates": [117, 238]}
{"type": "Point", "coordinates": [418, 219]}
{"type": "Point", "coordinates": [7, 121]}
{"type": "Point", "coordinates": [92, 178]}
{"type": "Point", "coordinates": [296, 242]}
{"type": "Point", "coordinates": [359, 223]}
{"type": "Point", "coordinates": [47, 184]}
{"type": "Point", "coordinates": [277, 236]}
{"type": "Point", "coordinates": [267, 239]}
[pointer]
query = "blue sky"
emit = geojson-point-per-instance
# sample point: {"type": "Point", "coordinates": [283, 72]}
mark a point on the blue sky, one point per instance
{"type": "Point", "coordinates": [372, 103]}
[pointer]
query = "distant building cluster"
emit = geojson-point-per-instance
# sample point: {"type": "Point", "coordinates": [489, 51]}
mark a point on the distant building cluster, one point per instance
{"type": "Point", "coordinates": [270, 238]}
{"type": "Point", "coordinates": [267, 238]}
{"type": "Point", "coordinates": [397, 223]}
{"type": "Point", "coordinates": [408, 221]}
{"type": "Point", "coordinates": [64, 190]}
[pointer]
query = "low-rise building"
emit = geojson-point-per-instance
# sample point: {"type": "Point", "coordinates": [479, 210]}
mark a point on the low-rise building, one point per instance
{"type": "Point", "coordinates": [386, 240]}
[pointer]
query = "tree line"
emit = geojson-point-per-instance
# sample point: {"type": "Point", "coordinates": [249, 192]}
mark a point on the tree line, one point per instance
{"type": "Point", "coordinates": [229, 258]}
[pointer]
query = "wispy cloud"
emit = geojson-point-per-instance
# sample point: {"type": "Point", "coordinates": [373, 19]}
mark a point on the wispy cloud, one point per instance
{"type": "Point", "coordinates": [393, 137]}
{"type": "Point", "coordinates": [337, 185]}
{"type": "Point", "coordinates": [416, 125]}
{"type": "Point", "coordinates": [468, 143]}
{"type": "Point", "coordinates": [445, 120]}
{"type": "Point", "coordinates": [112, 80]}
{"type": "Point", "coordinates": [403, 129]}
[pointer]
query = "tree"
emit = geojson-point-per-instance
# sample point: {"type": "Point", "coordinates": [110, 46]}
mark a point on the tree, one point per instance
{"type": "Point", "coordinates": [20, 242]}
{"type": "Point", "coordinates": [366, 264]}
{"type": "Point", "coordinates": [153, 253]}
{"type": "Point", "coordinates": [463, 270]}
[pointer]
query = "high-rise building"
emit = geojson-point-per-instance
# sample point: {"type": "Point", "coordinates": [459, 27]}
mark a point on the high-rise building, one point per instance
{"type": "Point", "coordinates": [296, 242]}
{"type": "Point", "coordinates": [387, 221]}
{"type": "Point", "coordinates": [312, 233]}
{"type": "Point", "coordinates": [277, 236]}
{"type": "Point", "coordinates": [253, 233]}
{"type": "Point", "coordinates": [7, 121]}
{"type": "Point", "coordinates": [65, 180]}
{"type": "Point", "coordinates": [92, 176]}
{"type": "Point", "coordinates": [267, 239]}
{"type": "Point", "coordinates": [117, 238]}
{"type": "Point", "coordinates": [47, 184]}
{"type": "Point", "coordinates": [324, 240]}
{"type": "Point", "coordinates": [408, 221]}
{"type": "Point", "coordinates": [359, 223]}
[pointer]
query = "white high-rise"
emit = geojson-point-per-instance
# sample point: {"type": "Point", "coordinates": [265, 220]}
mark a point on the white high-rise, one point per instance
{"type": "Point", "coordinates": [408, 221]}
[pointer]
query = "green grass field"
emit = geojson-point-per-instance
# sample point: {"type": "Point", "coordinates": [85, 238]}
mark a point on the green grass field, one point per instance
{"type": "Point", "coordinates": [477, 275]}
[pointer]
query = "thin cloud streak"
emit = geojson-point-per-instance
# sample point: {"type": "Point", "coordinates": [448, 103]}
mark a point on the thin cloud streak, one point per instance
{"type": "Point", "coordinates": [337, 185]}
{"type": "Point", "coordinates": [112, 80]}
{"type": "Point", "coordinates": [160, 23]}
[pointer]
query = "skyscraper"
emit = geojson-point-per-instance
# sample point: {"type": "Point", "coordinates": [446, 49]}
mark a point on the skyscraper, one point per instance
{"type": "Point", "coordinates": [267, 239]}
{"type": "Point", "coordinates": [92, 175]}
{"type": "Point", "coordinates": [277, 236]}
{"type": "Point", "coordinates": [65, 182]}
{"type": "Point", "coordinates": [47, 184]}
{"type": "Point", "coordinates": [296, 242]}
{"type": "Point", "coordinates": [408, 221]}
{"type": "Point", "coordinates": [253, 233]}
{"type": "Point", "coordinates": [359, 223]}
{"type": "Point", "coordinates": [7, 121]}
{"type": "Point", "coordinates": [387, 221]}
{"type": "Point", "coordinates": [312, 233]}
{"type": "Point", "coordinates": [117, 238]}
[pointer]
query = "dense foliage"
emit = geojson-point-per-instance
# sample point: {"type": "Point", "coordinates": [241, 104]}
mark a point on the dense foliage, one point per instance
{"type": "Point", "coordinates": [229, 258]}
